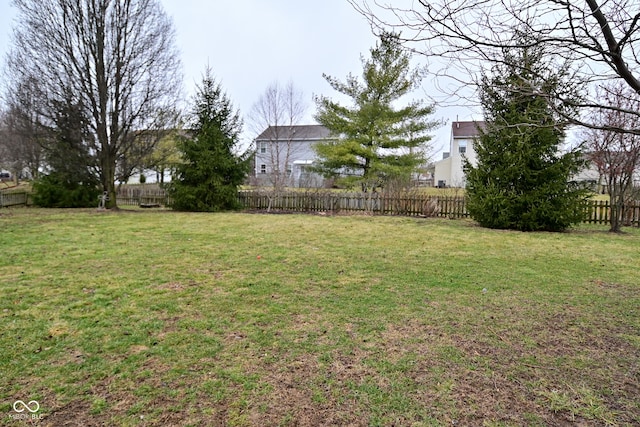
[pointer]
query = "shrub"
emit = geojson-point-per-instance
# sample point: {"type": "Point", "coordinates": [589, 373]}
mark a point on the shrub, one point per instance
{"type": "Point", "coordinates": [52, 191]}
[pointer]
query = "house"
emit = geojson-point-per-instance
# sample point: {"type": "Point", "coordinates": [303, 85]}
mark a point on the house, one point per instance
{"type": "Point", "coordinates": [589, 176]}
{"type": "Point", "coordinates": [449, 171]}
{"type": "Point", "coordinates": [285, 154]}
{"type": "Point", "coordinates": [616, 161]}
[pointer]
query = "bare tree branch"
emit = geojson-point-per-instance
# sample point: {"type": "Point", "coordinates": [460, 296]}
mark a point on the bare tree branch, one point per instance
{"type": "Point", "coordinates": [616, 155]}
{"type": "Point", "coordinates": [117, 58]}
{"type": "Point", "coordinates": [600, 39]}
{"type": "Point", "coordinates": [25, 130]}
{"type": "Point", "coordinates": [275, 115]}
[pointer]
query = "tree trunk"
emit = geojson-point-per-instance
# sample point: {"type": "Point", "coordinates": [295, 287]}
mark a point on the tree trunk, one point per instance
{"type": "Point", "coordinates": [617, 207]}
{"type": "Point", "coordinates": [108, 178]}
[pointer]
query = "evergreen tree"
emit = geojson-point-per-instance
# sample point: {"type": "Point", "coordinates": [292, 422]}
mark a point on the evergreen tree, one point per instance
{"type": "Point", "coordinates": [72, 180]}
{"type": "Point", "coordinates": [208, 178]}
{"type": "Point", "coordinates": [373, 141]}
{"type": "Point", "coordinates": [521, 181]}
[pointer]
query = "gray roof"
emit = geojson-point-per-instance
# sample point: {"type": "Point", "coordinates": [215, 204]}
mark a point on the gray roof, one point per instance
{"type": "Point", "coordinates": [301, 132]}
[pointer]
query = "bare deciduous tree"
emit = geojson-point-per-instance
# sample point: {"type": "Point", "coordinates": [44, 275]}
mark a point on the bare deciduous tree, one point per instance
{"type": "Point", "coordinates": [274, 117]}
{"type": "Point", "coordinates": [4, 141]}
{"type": "Point", "coordinates": [116, 58]}
{"type": "Point", "coordinates": [25, 133]}
{"type": "Point", "coordinates": [616, 155]}
{"type": "Point", "coordinates": [600, 38]}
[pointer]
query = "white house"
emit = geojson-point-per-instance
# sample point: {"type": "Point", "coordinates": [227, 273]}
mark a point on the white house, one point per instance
{"type": "Point", "coordinates": [288, 151]}
{"type": "Point", "coordinates": [448, 171]}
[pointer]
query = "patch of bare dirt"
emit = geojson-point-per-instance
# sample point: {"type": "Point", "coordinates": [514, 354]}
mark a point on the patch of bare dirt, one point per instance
{"type": "Point", "coordinates": [296, 395]}
{"type": "Point", "coordinates": [73, 414]}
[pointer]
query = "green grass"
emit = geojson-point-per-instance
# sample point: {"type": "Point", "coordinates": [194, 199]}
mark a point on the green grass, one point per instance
{"type": "Point", "coordinates": [163, 318]}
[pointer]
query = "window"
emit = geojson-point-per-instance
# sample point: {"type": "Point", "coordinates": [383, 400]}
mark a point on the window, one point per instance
{"type": "Point", "coordinates": [263, 168]}
{"type": "Point", "coordinates": [262, 146]}
{"type": "Point", "coordinates": [462, 147]}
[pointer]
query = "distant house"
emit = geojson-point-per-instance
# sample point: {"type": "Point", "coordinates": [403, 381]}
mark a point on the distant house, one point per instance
{"type": "Point", "coordinates": [285, 153]}
{"type": "Point", "coordinates": [449, 171]}
{"type": "Point", "coordinates": [597, 180]}
{"type": "Point", "coordinates": [589, 176]}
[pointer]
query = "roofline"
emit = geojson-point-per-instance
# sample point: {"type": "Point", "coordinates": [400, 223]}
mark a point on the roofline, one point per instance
{"type": "Point", "coordinates": [293, 136]}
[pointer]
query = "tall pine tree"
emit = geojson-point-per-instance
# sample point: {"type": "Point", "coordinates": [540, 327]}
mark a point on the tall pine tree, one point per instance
{"type": "Point", "coordinates": [207, 180]}
{"type": "Point", "coordinates": [374, 141]}
{"type": "Point", "coordinates": [521, 181]}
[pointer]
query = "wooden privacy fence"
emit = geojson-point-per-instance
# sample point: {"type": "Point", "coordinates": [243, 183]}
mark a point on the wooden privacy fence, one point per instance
{"type": "Point", "coordinates": [596, 211]}
{"type": "Point", "coordinates": [375, 203]}
{"type": "Point", "coordinates": [599, 212]}
{"type": "Point", "coordinates": [408, 204]}
{"type": "Point", "coordinates": [14, 198]}
{"type": "Point", "coordinates": [142, 196]}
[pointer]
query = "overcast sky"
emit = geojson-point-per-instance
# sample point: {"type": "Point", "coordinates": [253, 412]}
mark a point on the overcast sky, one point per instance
{"type": "Point", "coordinates": [250, 44]}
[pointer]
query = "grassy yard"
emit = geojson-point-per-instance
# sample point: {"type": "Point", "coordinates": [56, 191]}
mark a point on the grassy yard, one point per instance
{"type": "Point", "coordinates": [163, 318]}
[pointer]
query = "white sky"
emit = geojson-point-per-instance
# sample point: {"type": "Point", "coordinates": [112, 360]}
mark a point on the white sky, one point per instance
{"type": "Point", "coordinates": [250, 44]}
